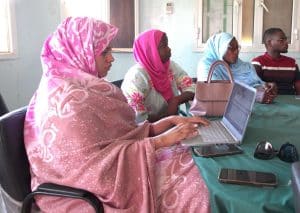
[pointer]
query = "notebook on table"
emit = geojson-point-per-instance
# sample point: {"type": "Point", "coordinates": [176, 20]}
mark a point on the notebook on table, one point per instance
{"type": "Point", "coordinates": [232, 127]}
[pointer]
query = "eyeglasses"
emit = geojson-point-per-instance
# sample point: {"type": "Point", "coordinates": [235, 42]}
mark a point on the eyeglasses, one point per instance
{"type": "Point", "coordinates": [233, 49]}
{"type": "Point", "coordinates": [287, 152]}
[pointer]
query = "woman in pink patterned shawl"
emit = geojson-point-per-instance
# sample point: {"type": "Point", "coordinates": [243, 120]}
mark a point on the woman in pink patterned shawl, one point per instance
{"type": "Point", "coordinates": [80, 131]}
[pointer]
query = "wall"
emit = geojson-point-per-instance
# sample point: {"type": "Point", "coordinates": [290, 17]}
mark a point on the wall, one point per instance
{"type": "Point", "coordinates": [19, 77]}
{"type": "Point", "coordinates": [37, 18]}
{"type": "Point", "coordinates": [179, 28]}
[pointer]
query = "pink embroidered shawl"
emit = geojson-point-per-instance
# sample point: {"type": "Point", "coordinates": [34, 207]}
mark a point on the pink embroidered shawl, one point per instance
{"type": "Point", "coordinates": [80, 131]}
{"type": "Point", "coordinates": [145, 50]}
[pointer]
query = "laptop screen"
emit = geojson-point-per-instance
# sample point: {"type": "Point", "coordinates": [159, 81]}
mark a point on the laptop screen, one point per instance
{"type": "Point", "coordinates": [239, 109]}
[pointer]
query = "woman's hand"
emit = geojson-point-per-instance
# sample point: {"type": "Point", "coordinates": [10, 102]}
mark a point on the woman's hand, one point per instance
{"type": "Point", "coordinates": [173, 105]}
{"type": "Point", "coordinates": [185, 127]}
{"type": "Point", "coordinates": [175, 120]}
{"type": "Point", "coordinates": [176, 101]}
{"type": "Point", "coordinates": [164, 124]}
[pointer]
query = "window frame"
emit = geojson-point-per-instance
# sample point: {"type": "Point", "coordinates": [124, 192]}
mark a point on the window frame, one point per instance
{"type": "Point", "coordinates": [106, 17]}
{"type": "Point", "coordinates": [136, 26]}
{"type": "Point", "coordinates": [257, 45]}
{"type": "Point", "coordinates": [103, 10]}
{"type": "Point", "coordinates": [13, 51]}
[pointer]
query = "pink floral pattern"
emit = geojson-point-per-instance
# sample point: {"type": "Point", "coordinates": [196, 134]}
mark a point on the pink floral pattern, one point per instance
{"type": "Point", "coordinates": [79, 131]}
{"type": "Point", "coordinates": [185, 82]}
{"type": "Point", "coordinates": [136, 101]}
{"type": "Point", "coordinates": [137, 81]}
{"type": "Point", "coordinates": [179, 185]}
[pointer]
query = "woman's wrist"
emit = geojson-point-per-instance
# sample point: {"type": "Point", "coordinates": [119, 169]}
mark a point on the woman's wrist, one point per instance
{"type": "Point", "coordinates": [180, 99]}
{"type": "Point", "coordinates": [162, 125]}
{"type": "Point", "coordinates": [185, 97]}
{"type": "Point", "coordinates": [171, 119]}
{"type": "Point", "coordinates": [158, 142]}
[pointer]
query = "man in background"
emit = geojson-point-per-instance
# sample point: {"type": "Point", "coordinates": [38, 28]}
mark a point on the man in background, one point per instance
{"type": "Point", "coordinates": [274, 67]}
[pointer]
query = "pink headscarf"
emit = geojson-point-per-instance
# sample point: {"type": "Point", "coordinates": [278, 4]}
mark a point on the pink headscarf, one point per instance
{"type": "Point", "coordinates": [58, 55]}
{"type": "Point", "coordinates": [145, 50]}
{"type": "Point", "coordinates": [80, 131]}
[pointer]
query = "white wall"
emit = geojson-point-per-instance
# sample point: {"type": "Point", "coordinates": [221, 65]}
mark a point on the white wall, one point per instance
{"type": "Point", "coordinates": [179, 27]}
{"type": "Point", "coordinates": [37, 18]}
{"type": "Point", "coordinates": [20, 77]}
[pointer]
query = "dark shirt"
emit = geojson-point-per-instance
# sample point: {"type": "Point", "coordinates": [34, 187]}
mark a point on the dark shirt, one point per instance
{"type": "Point", "coordinates": [283, 71]}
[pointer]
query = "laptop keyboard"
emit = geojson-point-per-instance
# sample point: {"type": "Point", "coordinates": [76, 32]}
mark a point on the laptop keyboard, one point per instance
{"type": "Point", "coordinates": [214, 133]}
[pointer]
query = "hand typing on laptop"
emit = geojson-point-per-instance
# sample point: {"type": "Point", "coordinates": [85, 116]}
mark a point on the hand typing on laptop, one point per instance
{"type": "Point", "coordinates": [232, 127]}
{"type": "Point", "coordinates": [195, 119]}
{"type": "Point", "coordinates": [182, 128]}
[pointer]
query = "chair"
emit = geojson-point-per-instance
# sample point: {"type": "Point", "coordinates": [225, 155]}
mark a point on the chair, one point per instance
{"type": "Point", "coordinates": [296, 184]}
{"type": "Point", "coordinates": [3, 107]}
{"type": "Point", "coordinates": [15, 174]}
{"type": "Point", "coordinates": [118, 83]}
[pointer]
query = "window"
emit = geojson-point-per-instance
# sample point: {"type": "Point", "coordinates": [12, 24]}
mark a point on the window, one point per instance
{"type": "Point", "coordinates": [94, 8]}
{"type": "Point", "coordinates": [247, 20]}
{"type": "Point", "coordinates": [123, 14]}
{"type": "Point", "coordinates": [7, 30]}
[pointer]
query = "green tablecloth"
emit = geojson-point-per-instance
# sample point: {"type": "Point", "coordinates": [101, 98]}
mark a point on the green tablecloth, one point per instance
{"type": "Point", "coordinates": [277, 123]}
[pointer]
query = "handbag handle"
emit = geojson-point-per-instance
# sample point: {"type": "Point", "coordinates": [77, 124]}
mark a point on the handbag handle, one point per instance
{"type": "Point", "coordinates": [212, 68]}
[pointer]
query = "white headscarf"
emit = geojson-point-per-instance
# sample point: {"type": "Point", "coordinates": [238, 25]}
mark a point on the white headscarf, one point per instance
{"type": "Point", "coordinates": [215, 49]}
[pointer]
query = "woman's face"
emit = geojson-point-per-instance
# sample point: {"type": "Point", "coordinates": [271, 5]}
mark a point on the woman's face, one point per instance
{"type": "Point", "coordinates": [232, 52]}
{"type": "Point", "coordinates": [163, 49]}
{"type": "Point", "coordinates": [103, 62]}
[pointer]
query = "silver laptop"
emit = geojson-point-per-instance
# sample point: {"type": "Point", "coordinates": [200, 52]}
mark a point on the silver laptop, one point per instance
{"type": "Point", "coordinates": [231, 129]}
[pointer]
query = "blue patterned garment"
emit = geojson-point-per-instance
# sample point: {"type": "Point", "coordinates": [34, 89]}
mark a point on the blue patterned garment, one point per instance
{"type": "Point", "coordinates": [215, 49]}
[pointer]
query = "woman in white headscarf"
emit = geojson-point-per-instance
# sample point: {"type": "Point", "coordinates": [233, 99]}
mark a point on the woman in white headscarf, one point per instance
{"type": "Point", "coordinates": [224, 46]}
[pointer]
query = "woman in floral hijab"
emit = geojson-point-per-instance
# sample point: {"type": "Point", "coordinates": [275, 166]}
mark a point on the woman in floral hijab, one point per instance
{"type": "Point", "coordinates": [80, 132]}
{"type": "Point", "coordinates": [155, 87]}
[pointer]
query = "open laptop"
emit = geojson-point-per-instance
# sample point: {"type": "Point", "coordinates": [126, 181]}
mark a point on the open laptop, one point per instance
{"type": "Point", "coordinates": [231, 129]}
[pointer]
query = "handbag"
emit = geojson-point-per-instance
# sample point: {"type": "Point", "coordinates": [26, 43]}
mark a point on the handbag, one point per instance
{"type": "Point", "coordinates": [211, 96]}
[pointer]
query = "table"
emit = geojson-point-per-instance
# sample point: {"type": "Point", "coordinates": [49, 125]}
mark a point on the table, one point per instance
{"type": "Point", "coordinates": [278, 123]}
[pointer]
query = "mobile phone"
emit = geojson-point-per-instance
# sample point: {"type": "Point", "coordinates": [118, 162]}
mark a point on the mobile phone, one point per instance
{"type": "Point", "coordinates": [215, 150]}
{"type": "Point", "coordinates": [247, 177]}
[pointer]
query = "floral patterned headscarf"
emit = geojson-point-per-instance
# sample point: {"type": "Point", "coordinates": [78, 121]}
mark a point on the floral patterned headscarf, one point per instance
{"type": "Point", "coordinates": [68, 55]}
{"type": "Point", "coordinates": [75, 44]}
